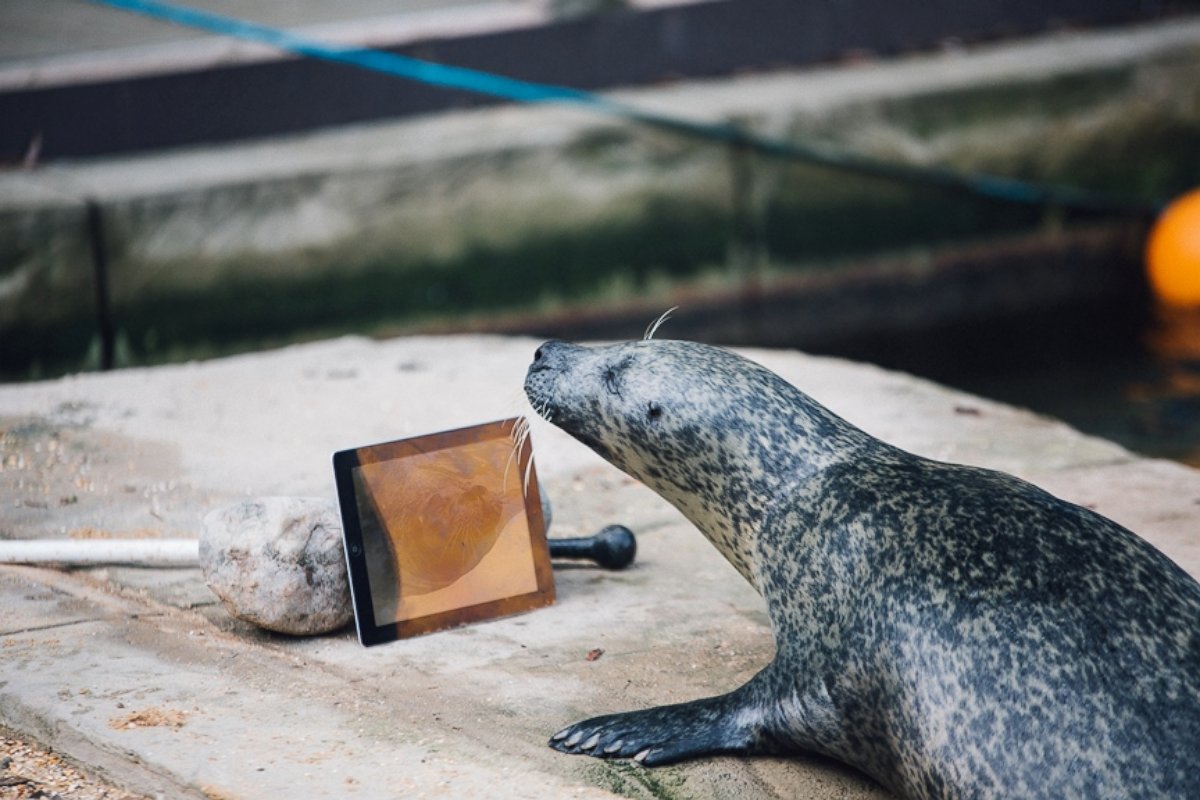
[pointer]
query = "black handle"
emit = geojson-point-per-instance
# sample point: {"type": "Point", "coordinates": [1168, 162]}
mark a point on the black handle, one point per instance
{"type": "Point", "coordinates": [612, 548]}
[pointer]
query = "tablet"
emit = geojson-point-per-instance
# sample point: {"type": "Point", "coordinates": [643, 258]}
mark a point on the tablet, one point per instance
{"type": "Point", "coordinates": [442, 530]}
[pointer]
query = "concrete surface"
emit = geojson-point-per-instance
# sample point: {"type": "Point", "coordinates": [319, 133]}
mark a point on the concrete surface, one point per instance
{"type": "Point", "coordinates": [140, 673]}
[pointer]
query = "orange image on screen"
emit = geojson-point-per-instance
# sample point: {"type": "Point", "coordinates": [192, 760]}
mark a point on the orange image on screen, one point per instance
{"type": "Point", "coordinates": [445, 529]}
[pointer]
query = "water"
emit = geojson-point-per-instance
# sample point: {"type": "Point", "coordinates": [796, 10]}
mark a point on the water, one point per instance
{"type": "Point", "coordinates": [1130, 376]}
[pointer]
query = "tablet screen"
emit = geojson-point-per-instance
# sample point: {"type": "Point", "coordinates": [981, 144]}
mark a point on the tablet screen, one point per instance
{"type": "Point", "coordinates": [442, 530]}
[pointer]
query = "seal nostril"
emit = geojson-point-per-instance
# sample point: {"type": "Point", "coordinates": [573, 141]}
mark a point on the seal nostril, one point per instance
{"type": "Point", "coordinates": [537, 354]}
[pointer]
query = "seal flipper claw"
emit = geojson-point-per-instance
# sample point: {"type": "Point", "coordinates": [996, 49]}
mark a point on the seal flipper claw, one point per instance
{"type": "Point", "coordinates": [729, 723]}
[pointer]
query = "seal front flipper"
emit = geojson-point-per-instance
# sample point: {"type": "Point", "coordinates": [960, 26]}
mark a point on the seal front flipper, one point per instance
{"type": "Point", "coordinates": [729, 723]}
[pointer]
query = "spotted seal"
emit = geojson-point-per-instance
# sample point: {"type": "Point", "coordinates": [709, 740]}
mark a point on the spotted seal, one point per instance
{"type": "Point", "coordinates": [949, 630]}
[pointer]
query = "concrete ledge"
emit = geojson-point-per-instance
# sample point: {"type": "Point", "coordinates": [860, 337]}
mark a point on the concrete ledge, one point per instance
{"type": "Point", "coordinates": [458, 714]}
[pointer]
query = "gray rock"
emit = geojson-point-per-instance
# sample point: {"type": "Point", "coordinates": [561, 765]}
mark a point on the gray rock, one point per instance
{"type": "Point", "coordinates": [279, 563]}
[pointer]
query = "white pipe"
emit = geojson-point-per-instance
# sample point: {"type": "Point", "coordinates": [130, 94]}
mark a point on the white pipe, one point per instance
{"type": "Point", "coordinates": [138, 552]}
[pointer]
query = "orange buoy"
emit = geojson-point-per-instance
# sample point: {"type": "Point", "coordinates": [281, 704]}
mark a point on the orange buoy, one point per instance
{"type": "Point", "coordinates": [1173, 252]}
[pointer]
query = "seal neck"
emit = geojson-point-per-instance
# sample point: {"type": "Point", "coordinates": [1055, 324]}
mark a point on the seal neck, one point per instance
{"type": "Point", "coordinates": [756, 464]}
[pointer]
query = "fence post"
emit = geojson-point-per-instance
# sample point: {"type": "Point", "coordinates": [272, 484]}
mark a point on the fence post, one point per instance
{"type": "Point", "coordinates": [95, 226]}
{"type": "Point", "coordinates": [747, 245]}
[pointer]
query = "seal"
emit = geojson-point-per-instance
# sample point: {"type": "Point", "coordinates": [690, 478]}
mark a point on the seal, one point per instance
{"type": "Point", "coordinates": [949, 630]}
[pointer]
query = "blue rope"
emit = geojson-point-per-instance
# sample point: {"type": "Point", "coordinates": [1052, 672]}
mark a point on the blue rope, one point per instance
{"type": "Point", "coordinates": [450, 77]}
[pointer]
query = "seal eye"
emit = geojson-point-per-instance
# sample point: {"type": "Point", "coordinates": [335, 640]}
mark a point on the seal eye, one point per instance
{"type": "Point", "coordinates": [654, 411]}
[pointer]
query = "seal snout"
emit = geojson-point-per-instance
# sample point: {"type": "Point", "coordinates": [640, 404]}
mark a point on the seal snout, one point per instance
{"type": "Point", "coordinates": [549, 362]}
{"type": "Point", "coordinates": [551, 355]}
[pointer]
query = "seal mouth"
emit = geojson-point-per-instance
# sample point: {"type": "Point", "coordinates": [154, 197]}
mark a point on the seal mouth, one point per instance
{"type": "Point", "coordinates": [537, 395]}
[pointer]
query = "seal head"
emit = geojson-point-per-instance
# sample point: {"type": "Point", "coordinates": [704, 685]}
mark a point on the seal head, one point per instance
{"type": "Point", "coordinates": [949, 630]}
{"type": "Point", "coordinates": [719, 448]}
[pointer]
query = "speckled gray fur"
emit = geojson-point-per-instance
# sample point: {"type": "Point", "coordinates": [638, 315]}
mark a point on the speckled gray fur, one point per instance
{"type": "Point", "coordinates": [949, 630]}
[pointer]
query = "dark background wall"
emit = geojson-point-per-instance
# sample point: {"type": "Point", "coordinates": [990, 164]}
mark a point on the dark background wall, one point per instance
{"type": "Point", "coordinates": [615, 49]}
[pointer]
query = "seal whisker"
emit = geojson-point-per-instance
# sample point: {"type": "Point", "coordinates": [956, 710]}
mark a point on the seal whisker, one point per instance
{"type": "Point", "coordinates": [519, 433]}
{"type": "Point", "coordinates": [543, 410]}
{"type": "Point", "coordinates": [528, 475]}
{"type": "Point", "coordinates": [653, 327]}
{"type": "Point", "coordinates": [519, 404]}
{"type": "Point", "coordinates": [526, 432]}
